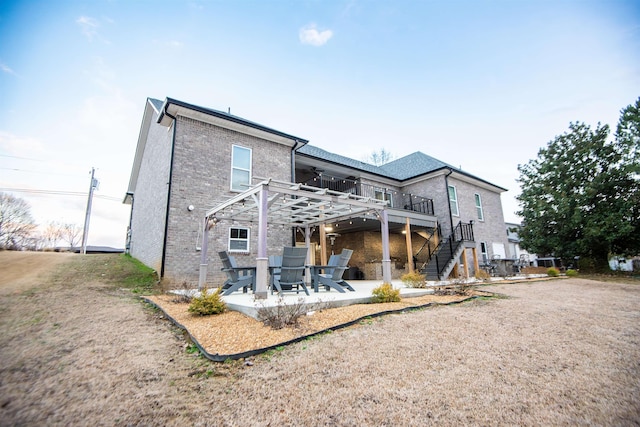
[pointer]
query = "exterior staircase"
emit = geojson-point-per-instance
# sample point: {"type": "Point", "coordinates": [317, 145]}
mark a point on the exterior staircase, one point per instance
{"type": "Point", "coordinates": [443, 259]}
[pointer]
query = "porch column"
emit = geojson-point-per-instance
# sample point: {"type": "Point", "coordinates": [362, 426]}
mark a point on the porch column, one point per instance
{"type": "Point", "coordinates": [466, 263]}
{"type": "Point", "coordinates": [386, 257]}
{"type": "Point", "coordinates": [202, 280]}
{"type": "Point", "coordinates": [262, 261]}
{"type": "Point", "coordinates": [407, 229]}
{"type": "Point", "coordinates": [476, 266]}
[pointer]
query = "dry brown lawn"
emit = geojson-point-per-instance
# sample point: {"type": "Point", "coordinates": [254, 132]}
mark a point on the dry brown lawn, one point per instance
{"type": "Point", "coordinates": [77, 350]}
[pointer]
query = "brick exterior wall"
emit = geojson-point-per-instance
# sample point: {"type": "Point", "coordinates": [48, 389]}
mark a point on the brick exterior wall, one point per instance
{"type": "Point", "coordinates": [150, 198]}
{"type": "Point", "coordinates": [201, 177]}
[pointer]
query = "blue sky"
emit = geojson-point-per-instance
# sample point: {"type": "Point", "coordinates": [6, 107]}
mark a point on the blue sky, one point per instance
{"type": "Point", "coordinates": [478, 84]}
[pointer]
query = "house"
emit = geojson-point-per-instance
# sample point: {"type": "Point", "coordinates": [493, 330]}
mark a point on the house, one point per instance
{"type": "Point", "coordinates": [521, 256]}
{"type": "Point", "coordinates": [193, 163]}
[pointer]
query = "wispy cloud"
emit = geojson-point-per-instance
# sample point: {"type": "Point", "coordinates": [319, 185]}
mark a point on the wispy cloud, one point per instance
{"type": "Point", "coordinates": [6, 69]}
{"type": "Point", "coordinates": [89, 26]}
{"type": "Point", "coordinates": [309, 34]}
{"type": "Point", "coordinates": [175, 43]}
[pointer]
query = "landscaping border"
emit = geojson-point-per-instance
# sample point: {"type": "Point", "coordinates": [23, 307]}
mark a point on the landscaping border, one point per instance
{"type": "Point", "coordinates": [243, 355]}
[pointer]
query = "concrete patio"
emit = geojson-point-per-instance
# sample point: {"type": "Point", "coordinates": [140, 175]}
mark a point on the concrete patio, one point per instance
{"type": "Point", "coordinates": [247, 304]}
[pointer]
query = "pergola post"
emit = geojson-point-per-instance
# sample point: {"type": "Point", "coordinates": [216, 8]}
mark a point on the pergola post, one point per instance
{"type": "Point", "coordinates": [307, 243]}
{"type": "Point", "coordinates": [386, 257]}
{"type": "Point", "coordinates": [262, 261]}
{"type": "Point", "coordinates": [202, 280]}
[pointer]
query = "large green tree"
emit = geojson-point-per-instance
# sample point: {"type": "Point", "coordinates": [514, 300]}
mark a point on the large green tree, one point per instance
{"type": "Point", "coordinates": [581, 195]}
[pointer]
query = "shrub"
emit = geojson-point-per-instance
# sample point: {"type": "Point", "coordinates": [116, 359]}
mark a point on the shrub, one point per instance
{"type": "Point", "coordinates": [207, 303]}
{"type": "Point", "coordinates": [282, 314]}
{"type": "Point", "coordinates": [482, 275]}
{"type": "Point", "coordinates": [414, 280]}
{"type": "Point", "coordinates": [385, 293]}
{"type": "Point", "coordinates": [553, 272]}
{"type": "Point", "coordinates": [571, 273]}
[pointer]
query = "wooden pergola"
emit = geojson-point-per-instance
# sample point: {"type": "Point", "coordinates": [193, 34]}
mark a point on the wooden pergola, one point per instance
{"type": "Point", "coordinates": [294, 205]}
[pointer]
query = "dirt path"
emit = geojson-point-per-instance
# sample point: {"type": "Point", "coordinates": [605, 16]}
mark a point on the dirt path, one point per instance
{"type": "Point", "coordinates": [77, 351]}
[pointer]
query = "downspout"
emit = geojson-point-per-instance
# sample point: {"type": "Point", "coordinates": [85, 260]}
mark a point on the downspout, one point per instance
{"type": "Point", "coordinates": [446, 183]}
{"type": "Point", "coordinates": [293, 180]}
{"type": "Point", "coordinates": [130, 229]}
{"type": "Point", "coordinates": [166, 220]}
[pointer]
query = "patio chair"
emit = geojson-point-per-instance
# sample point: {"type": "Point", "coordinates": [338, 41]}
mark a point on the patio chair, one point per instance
{"type": "Point", "coordinates": [332, 276]}
{"type": "Point", "coordinates": [289, 275]}
{"type": "Point", "coordinates": [237, 277]}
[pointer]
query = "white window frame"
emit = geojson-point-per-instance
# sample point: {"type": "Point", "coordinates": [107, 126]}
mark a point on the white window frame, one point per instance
{"type": "Point", "coordinates": [383, 194]}
{"type": "Point", "coordinates": [453, 202]}
{"type": "Point", "coordinates": [484, 252]}
{"type": "Point", "coordinates": [479, 210]}
{"type": "Point", "coordinates": [239, 239]}
{"type": "Point", "coordinates": [240, 169]}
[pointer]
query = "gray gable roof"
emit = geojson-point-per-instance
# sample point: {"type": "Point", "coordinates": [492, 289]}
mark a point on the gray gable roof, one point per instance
{"type": "Point", "coordinates": [413, 165]}
{"type": "Point", "coordinates": [313, 151]}
{"type": "Point", "coordinates": [410, 166]}
{"type": "Point", "coordinates": [403, 168]}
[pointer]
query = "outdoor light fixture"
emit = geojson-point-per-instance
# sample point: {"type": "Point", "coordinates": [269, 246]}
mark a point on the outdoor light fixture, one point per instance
{"type": "Point", "coordinates": [190, 208]}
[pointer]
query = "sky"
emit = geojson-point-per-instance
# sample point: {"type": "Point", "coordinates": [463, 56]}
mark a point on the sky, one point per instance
{"type": "Point", "coordinates": [481, 85]}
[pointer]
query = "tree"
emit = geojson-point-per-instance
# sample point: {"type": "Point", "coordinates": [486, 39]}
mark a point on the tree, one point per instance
{"type": "Point", "coordinates": [52, 234]}
{"type": "Point", "coordinates": [71, 233]}
{"type": "Point", "coordinates": [380, 157]}
{"type": "Point", "coordinates": [16, 224]}
{"type": "Point", "coordinates": [580, 197]}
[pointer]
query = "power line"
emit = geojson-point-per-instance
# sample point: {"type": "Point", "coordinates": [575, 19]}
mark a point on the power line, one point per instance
{"type": "Point", "coordinates": [60, 193]}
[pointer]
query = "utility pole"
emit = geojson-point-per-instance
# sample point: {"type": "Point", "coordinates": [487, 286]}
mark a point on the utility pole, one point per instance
{"type": "Point", "coordinates": [85, 233]}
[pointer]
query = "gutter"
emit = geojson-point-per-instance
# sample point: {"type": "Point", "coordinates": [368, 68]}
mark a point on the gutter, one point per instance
{"type": "Point", "coordinates": [293, 175]}
{"type": "Point", "coordinates": [166, 219]}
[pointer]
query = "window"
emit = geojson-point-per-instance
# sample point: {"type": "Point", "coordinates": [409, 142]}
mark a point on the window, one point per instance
{"type": "Point", "coordinates": [240, 168]}
{"type": "Point", "coordinates": [479, 207]}
{"type": "Point", "coordinates": [483, 251]}
{"type": "Point", "coordinates": [453, 201]}
{"type": "Point", "coordinates": [381, 194]}
{"type": "Point", "coordinates": [239, 239]}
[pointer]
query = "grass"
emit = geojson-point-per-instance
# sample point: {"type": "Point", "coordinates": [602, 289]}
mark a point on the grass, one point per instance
{"type": "Point", "coordinates": [115, 269]}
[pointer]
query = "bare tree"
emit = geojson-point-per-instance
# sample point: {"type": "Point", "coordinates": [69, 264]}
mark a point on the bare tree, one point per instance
{"type": "Point", "coordinates": [52, 234]}
{"type": "Point", "coordinates": [380, 157]}
{"type": "Point", "coordinates": [16, 223]}
{"type": "Point", "coordinates": [71, 233]}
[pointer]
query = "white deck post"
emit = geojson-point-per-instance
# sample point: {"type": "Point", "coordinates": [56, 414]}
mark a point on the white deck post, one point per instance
{"type": "Point", "coordinates": [386, 257]}
{"type": "Point", "coordinates": [307, 242]}
{"type": "Point", "coordinates": [262, 261]}
{"type": "Point", "coordinates": [202, 280]}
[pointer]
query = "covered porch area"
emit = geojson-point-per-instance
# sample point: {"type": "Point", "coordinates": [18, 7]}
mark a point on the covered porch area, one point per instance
{"type": "Point", "coordinates": [307, 210]}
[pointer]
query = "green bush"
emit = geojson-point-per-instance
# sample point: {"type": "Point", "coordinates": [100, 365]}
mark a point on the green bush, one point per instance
{"type": "Point", "coordinates": [414, 280]}
{"type": "Point", "coordinates": [553, 272]}
{"type": "Point", "coordinates": [207, 303]}
{"type": "Point", "coordinates": [571, 273]}
{"type": "Point", "coordinates": [385, 293]}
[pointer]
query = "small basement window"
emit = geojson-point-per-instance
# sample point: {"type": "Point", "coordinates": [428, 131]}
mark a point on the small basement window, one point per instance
{"type": "Point", "coordinates": [239, 239]}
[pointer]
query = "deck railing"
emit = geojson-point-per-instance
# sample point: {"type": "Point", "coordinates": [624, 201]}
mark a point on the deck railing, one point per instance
{"type": "Point", "coordinates": [396, 199]}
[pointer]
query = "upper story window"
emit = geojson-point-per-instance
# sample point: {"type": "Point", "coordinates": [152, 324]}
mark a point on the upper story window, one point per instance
{"type": "Point", "coordinates": [479, 207]}
{"type": "Point", "coordinates": [239, 239]}
{"type": "Point", "coordinates": [453, 201]}
{"type": "Point", "coordinates": [240, 168]}
{"type": "Point", "coordinates": [381, 194]}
